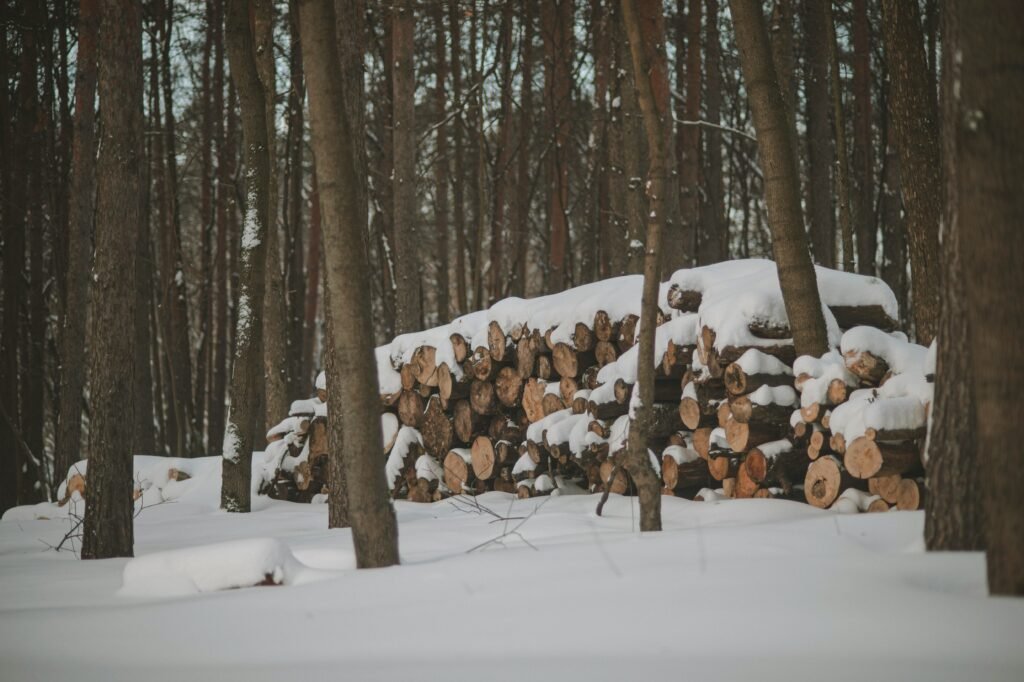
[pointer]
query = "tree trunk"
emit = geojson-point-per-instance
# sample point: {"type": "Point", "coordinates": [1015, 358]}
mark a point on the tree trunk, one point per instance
{"type": "Point", "coordinates": [839, 128]}
{"type": "Point", "coordinates": [458, 200]}
{"type": "Point", "coordinates": [441, 168]}
{"type": "Point", "coordinates": [990, 210]}
{"type": "Point", "coordinates": [67, 448]}
{"type": "Point", "coordinates": [108, 530]}
{"type": "Point", "coordinates": [523, 181]}
{"type": "Point", "coordinates": [954, 517]}
{"type": "Point", "coordinates": [225, 199]}
{"type": "Point", "coordinates": [556, 31]}
{"type": "Point", "coordinates": [820, 159]}
{"type": "Point", "coordinates": [353, 381]}
{"type": "Point", "coordinates": [781, 184]}
{"type": "Point", "coordinates": [714, 217]}
{"type": "Point", "coordinates": [693, 230]}
{"type": "Point", "coordinates": [863, 189]}
{"type": "Point", "coordinates": [408, 301]}
{"type": "Point", "coordinates": [299, 373]}
{"type": "Point", "coordinates": [915, 119]}
{"type": "Point", "coordinates": [502, 159]}
{"type": "Point", "coordinates": [645, 29]}
{"type": "Point", "coordinates": [246, 388]}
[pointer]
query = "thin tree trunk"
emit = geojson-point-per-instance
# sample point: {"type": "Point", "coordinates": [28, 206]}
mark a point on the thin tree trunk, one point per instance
{"type": "Point", "coordinates": [245, 392]}
{"type": "Point", "coordinates": [596, 244]}
{"type": "Point", "coordinates": [225, 197]}
{"type": "Point", "coordinates": [694, 234]}
{"type": "Point", "coordinates": [298, 373]}
{"type": "Point", "coordinates": [990, 209]}
{"type": "Point", "coordinates": [556, 31]}
{"type": "Point", "coordinates": [352, 379]}
{"type": "Point", "coordinates": [523, 180]}
{"type": "Point", "coordinates": [458, 200]}
{"type": "Point", "coordinates": [915, 119]}
{"type": "Point", "coordinates": [781, 184]}
{"type": "Point", "coordinates": [206, 223]}
{"type": "Point", "coordinates": [441, 168]}
{"type": "Point", "coordinates": [502, 160]}
{"type": "Point", "coordinates": [309, 328]}
{"type": "Point", "coordinates": [67, 449]}
{"type": "Point", "coordinates": [645, 29]}
{"type": "Point", "coordinates": [714, 208]}
{"type": "Point", "coordinates": [12, 257]}
{"type": "Point", "coordinates": [107, 530]}
{"type": "Point", "coordinates": [820, 158]}
{"type": "Point", "coordinates": [408, 300]}
{"type": "Point", "coordinates": [863, 145]}
{"type": "Point", "coordinates": [954, 515]}
{"type": "Point", "coordinates": [839, 128]}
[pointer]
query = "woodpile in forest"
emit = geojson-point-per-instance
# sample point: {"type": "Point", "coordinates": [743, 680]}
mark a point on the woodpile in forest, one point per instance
{"type": "Point", "coordinates": [533, 397]}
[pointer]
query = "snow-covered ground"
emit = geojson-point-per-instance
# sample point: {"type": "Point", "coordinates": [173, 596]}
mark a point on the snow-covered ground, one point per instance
{"type": "Point", "coordinates": [730, 590]}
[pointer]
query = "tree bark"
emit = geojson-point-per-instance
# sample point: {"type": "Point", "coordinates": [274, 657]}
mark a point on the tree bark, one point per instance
{"type": "Point", "coordinates": [556, 31]}
{"type": "Point", "coordinates": [300, 374]}
{"type": "Point", "coordinates": [914, 116]}
{"type": "Point", "coordinates": [246, 387]}
{"type": "Point", "coordinates": [839, 128]}
{"type": "Point", "coordinates": [695, 239]}
{"type": "Point", "coordinates": [353, 381]}
{"type": "Point", "coordinates": [408, 294]}
{"type": "Point", "coordinates": [863, 190]}
{"type": "Point", "coordinates": [107, 529]}
{"type": "Point", "coordinates": [221, 275]}
{"type": "Point", "coordinates": [521, 239]}
{"type": "Point", "coordinates": [441, 168]}
{"type": "Point", "coordinates": [954, 518]}
{"type": "Point", "coordinates": [714, 217]}
{"type": "Point", "coordinates": [820, 158]}
{"type": "Point", "coordinates": [775, 141]}
{"type": "Point", "coordinates": [67, 448]}
{"type": "Point", "coordinates": [458, 200]}
{"type": "Point", "coordinates": [502, 159]}
{"type": "Point", "coordinates": [990, 209]}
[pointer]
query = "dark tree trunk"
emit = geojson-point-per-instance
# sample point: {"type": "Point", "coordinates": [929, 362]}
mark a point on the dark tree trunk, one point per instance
{"type": "Point", "coordinates": [107, 530]}
{"type": "Point", "coordinates": [458, 200]}
{"type": "Point", "coordinates": [502, 159]}
{"type": "Point", "coordinates": [820, 158]}
{"type": "Point", "coordinates": [408, 294]}
{"type": "Point", "coordinates": [245, 392]}
{"type": "Point", "coordinates": [990, 210]}
{"type": "Point", "coordinates": [717, 226]}
{"type": "Point", "coordinates": [225, 198]}
{"type": "Point", "coordinates": [299, 374]}
{"type": "Point", "coordinates": [839, 128]}
{"type": "Point", "coordinates": [556, 31]}
{"type": "Point", "coordinates": [67, 448]}
{"type": "Point", "coordinates": [312, 289]}
{"type": "Point", "coordinates": [206, 223]}
{"type": "Point", "coordinates": [776, 145]}
{"type": "Point", "coordinates": [863, 190]}
{"type": "Point", "coordinates": [441, 167]}
{"type": "Point", "coordinates": [693, 235]}
{"type": "Point", "coordinates": [523, 180]}
{"type": "Point", "coordinates": [352, 379]}
{"type": "Point", "coordinates": [915, 119]}
{"type": "Point", "coordinates": [954, 518]}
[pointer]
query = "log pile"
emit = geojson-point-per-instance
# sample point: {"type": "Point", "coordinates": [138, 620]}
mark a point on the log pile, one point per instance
{"type": "Point", "coordinates": [533, 397]}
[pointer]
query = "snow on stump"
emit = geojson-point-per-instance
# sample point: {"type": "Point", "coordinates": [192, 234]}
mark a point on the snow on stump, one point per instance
{"type": "Point", "coordinates": [209, 568]}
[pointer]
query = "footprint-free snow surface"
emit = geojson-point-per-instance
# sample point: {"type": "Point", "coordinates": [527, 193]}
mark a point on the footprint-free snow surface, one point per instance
{"type": "Point", "coordinates": [731, 590]}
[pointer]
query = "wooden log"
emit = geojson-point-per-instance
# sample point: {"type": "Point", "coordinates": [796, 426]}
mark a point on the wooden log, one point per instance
{"type": "Point", "coordinates": [600, 427]}
{"type": "Point", "coordinates": [677, 475]}
{"type": "Point", "coordinates": [620, 484]}
{"type": "Point", "coordinates": [482, 366]}
{"type": "Point", "coordinates": [746, 486]}
{"type": "Point", "coordinates": [436, 429]}
{"type": "Point", "coordinates": [604, 328]}
{"type": "Point", "coordinates": [551, 403]}
{"type": "Point", "coordinates": [318, 436]}
{"type": "Point", "coordinates": [866, 366]}
{"type": "Point", "coordinates": [849, 316]}
{"type": "Point", "coordinates": [627, 333]}
{"type": "Point", "coordinates": [407, 375]}
{"type": "Point", "coordinates": [729, 487]}
{"type": "Point", "coordinates": [769, 329]}
{"type": "Point", "coordinates": [702, 441]}
{"type": "Point", "coordinates": [466, 422]}
{"type": "Point", "coordinates": [837, 443]}
{"type": "Point", "coordinates": [579, 402]}
{"type": "Point", "coordinates": [878, 505]}
{"type": "Point", "coordinates": [738, 382]}
{"type": "Point", "coordinates": [532, 399]}
{"type": "Point", "coordinates": [776, 465]}
{"type": "Point", "coordinates": [820, 444]}
{"type": "Point", "coordinates": [570, 362]}
{"type": "Point", "coordinates": [459, 347]}
{"type": "Point", "coordinates": [458, 472]}
{"type": "Point", "coordinates": [567, 387]}
{"type": "Point", "coordinates": [424, 363]}
{"type": "Point", "coordinates": [482, 397]}
{"type": "Point", "coordinates": [742, 437]}
{"type": "Point", "coordinates": [885, 487]}
{"type": "Point", "coordinates": [588, 379]}
{"type": "Point", "coordinates": [410, 409]}
{"type": "Point", "coordinates": [694, 415]}
{"type": "Point", "coordinates": [910, 495]}
{"type": "Point", "coordinates": [894, 435]}
{"type": "Point", "coordinates": [865, 458]}
{"type": "Point", "coordinates": [508, 386]}
{"type": "Point", "coordinates": [484, 458]}
{"type": "Point", "coordinates": [503, 428]}
{"type": "Point", "coordinates": [825, 479]}
{"type": "Point", "coordinates": [746, 411]}
{"type": "Point", "coordinates": [683, 299]}
{"type": "Point", "coordinates": [583, 338]}
{"type": "Point", "coordinates": [605, 353]}
{"type": "Point", "coordinates": [526, 357]}
{"type": "Point", "coordinates": [497, 343]}
{"type": "Point", "coordinates": [546, 368]}
{"type": "Point", "coordinates": [723, 464]}
{"type": "Point", "coordinates": [448, 387]}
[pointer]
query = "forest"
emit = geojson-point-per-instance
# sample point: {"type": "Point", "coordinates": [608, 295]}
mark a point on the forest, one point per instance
{"type": "Point", "coordinates": [642, 252]}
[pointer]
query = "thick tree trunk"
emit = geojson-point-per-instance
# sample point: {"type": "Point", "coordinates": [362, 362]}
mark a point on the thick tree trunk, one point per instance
{"type": "Point", "coordinates": [954, 518]}
{"type": "Point", "coordinates": [67, 449]}
{"type": "Point", "coordinates": [781, 184]}
{"type": "Point", "coordinates": [914, 116]}
{"type": "Point", "coordinates": [820, 159]}
{"type": "Point", "coordinates": [246, 388]}
{"type": "Point", "coordinates": [990, 210]}
{"type": "Point", "coordinates": [352, 379]}
{"type": "Point", "coordinates": [408, 294]}
{"type": "Point", "coordinates": [107, 530]}
{"type": "Point", "coordinates": [299, 373]}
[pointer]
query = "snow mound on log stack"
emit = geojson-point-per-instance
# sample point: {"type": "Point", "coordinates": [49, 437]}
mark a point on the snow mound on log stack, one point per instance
{"type": "Point", "coordinates": [223, 566]}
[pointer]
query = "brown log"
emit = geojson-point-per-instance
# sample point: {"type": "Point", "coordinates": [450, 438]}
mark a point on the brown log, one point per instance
{"type": "Point", "coordinates": [567, 387]}
{"type": "Point", "coordinates": [533, 396]}
{"type": "Point", "coordinates": [460, 347]}
{"type": "Point", "coordinates": [724, 465]}
{"type": "Point", "coordinates": [746, 486]}
{"type": "Point", "coordinates": [866, 366]}
{"type": "Point", "coordinates": [436, 429]}
{"type": "Point", "coordinates": [448, 387]}
{"type": "Point", "coordinates": [878, 505]}
{"type": "Point", "coordinates": [851, 316]}
{"type": "Point", "coordinates": [684, 300]}
{"type": "Point", "coordinates": [546, 368]}
{"type": "Point", "coordinates": [738, 382]}
{"type": "Point", "coordinates": [885, 487]}
{"type": "Point", "coordinates": [583, 338]}
{"type": "Point", "coordinates": [458, 474]}
{"type": "Point", "coordinates": [620, 484]}
{"type": "Point", "coordinates": [742, 437]}
{"type": "Point", "coordinates": [551, 403]}
{"type": "Point", "coordinates": [837, 392]}
{"type": "Point", "coordinates": [482, 366]}
{"type": "Point", "coordinates": [579, 403]}
{"type": "Point", "coordinates": [466, 422]}
{"type": "Point", "coordinates": [910, 495]}
{"type": "Point", "coordinates": [570, 362]}
{"type": "Point", "coordinates": [865, 458]}
{"type": "Point", "coordinates": [600, 427]}
{"type": "Point", "coordinates": [702, 441]}
{"type": "Point", "coordinates": [694, 416]}
{"type": "Point", "coordinates": [318, 437]}
{"type": "Point", "coordinates": [627, 333]}
{"type": "Point", "coordinates": [497, 342]}
{"type": "Point", "coordinates": [729, 487]}
{"type": "Point", "coordinates": [769, 329]}
{"type": "Point", "coordinates": [407, 375]}
{"type": "Point", "coordinates": [508, 386]}
{"type": "Point", "coordinates": [526, 356]}
{"type": "Point", "coordinates": [482, 398]}
{"type": "Point", "coordinates": [605, 353]}
{"type": "Point", "coordinates": [687, 475]}
{"type": "Point", "coordinates": [588, 379]}
{"type": "Point", "coordinates": [837, 443]}
{"type": "Point", "coordinates": [820, 444]}
{"type": "Point", "coordinates": [623, 391]}
{"type": "Point", "coordinates": [747, 412]}
{"type": "Point", "coordinates": [424, 363]}
{"type": "Point", "coordinates": [484, 458]}
{"type": "Point", "coordinates": [410, 409]}
{"type": "Point", "coordinates": [825, 479]}
{"type": "Point", "coordinates": [604, 328]}
{"type": "Point", "coordinates": [894, 435]}
{"type": "Point", "coordinates": [786, 468]}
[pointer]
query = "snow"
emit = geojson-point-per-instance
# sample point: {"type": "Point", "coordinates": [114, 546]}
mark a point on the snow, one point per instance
{"type": "Point", "coordinates": [760, 570]}
{"type": "Point", "coordinates": [680, 454]}
{"type": "Point", "coordinates": [396, 459]}
{"type": "Point", "coordinates": [901, 356]}
{"type": "Point", "coordinates": [755, 362]}
{"type": "Point", "coordinates": [774, 395]}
